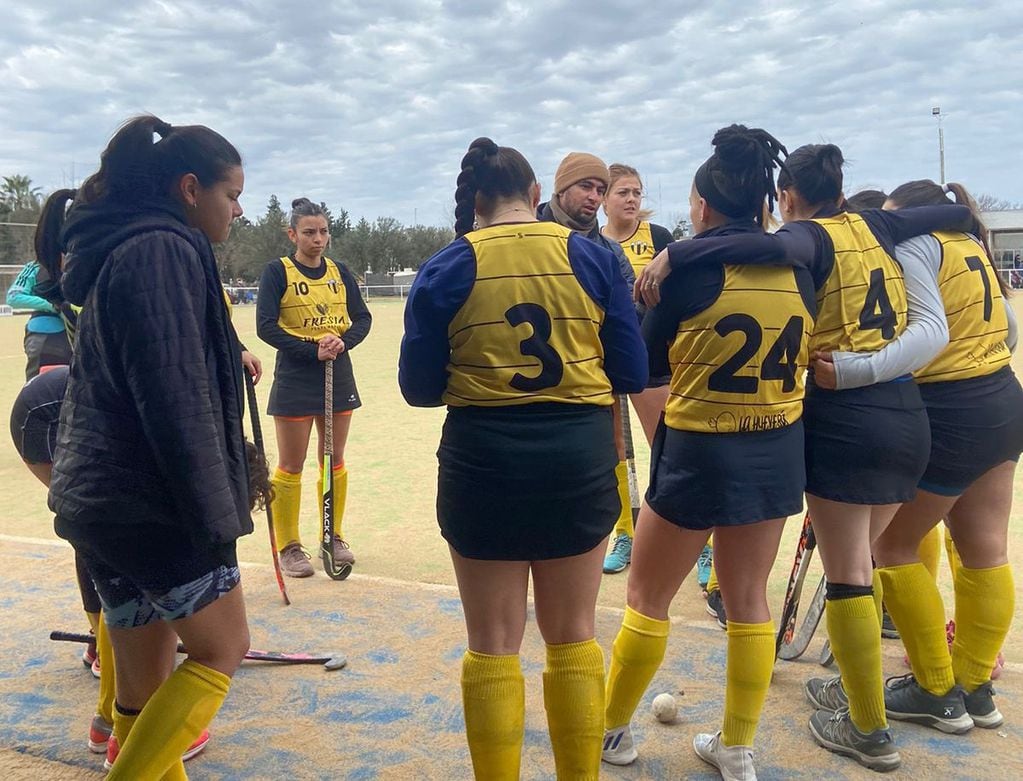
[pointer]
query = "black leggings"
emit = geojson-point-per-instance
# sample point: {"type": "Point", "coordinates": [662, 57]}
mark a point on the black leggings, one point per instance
{"type": "Point", "coordinates": [90, 599]}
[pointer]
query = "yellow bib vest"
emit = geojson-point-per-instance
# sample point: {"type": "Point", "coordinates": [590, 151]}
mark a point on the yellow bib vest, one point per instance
{"type": "Point", "coordinates": [528, 332]}
{"type": "Point", "coordinates": [862, 306]}
{"type": "Point", "coordinates": [739, 365]}
{"type": "Point", "coordinates": [639, 248]}
{"type": "Point", "coordinates": [313, 308]}
{"type": "Point", "coordinates": [977, 323]}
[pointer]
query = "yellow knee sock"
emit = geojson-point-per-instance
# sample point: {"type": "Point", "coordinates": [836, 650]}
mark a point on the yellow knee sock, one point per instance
{"type": "Point", "coordinates": [286, 503]}
{"type": "Point", "coordinates": [573, 695]}
{"type": "Point", "coordinates": [105, 702]}
{"type": "Point", "coordinates": [748, 676]}
{"type": "Point", "coordinates": [123, 723]}
{"type": "Point", "coordinates": [930, 551]}
{"type": "Point", "coordinates": [985, 601]}
{"type": "Point", "coordinates": [954, 562]}
{"type": "Point", "coordinates": [624, 524]}
{"type": "Point", "coordinates": [878, 596]}
{"type": "Point", "coordinates": [494, 701]}
{"type": "Point", "coordinates": [712, 581]}
{"type": "Point", "coordinates": [635, 656]}
{"type": "Point", "coordinates": [340, 494]}
{"type": "Point", "coordinates": [915, 605]}
{"type": "Point", "coordinates": [856, 643]}
{"type": "Point", "coordinates": [174, 717]}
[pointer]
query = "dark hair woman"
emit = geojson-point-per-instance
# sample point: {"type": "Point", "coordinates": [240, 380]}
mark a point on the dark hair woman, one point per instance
{"type": "Point", "coordinates": [526, 331]}
{"type": "Point", "coordinates": [150, 483]}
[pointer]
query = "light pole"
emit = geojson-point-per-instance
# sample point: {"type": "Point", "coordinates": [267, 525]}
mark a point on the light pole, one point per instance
{"type": "Point", "coordinates": [936, 111]}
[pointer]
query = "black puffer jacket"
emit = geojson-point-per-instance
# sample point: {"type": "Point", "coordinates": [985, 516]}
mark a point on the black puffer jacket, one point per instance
{"type": "Point", "coordinates": [150, 430]}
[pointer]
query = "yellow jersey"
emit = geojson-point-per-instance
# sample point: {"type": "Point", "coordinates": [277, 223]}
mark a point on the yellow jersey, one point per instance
{"type": "Point", "coordinates": [639, 247]}
{"type": "Point", "coordinates": [740, 364]}
{"type": "Point", "coordinates": [975, 310]}
{"type": "Point", "coordinates": [313, 308]}
{"type": "Point", "coordinates": [862, 305]}
{"type": "Point", "coordinates": [528, 331]}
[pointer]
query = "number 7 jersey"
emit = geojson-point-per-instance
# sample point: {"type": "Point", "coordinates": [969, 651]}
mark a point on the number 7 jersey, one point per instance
{"type": "Point", "coordinates": [739, 365]}
{"type": "Point", "coordinates": [528, 331]}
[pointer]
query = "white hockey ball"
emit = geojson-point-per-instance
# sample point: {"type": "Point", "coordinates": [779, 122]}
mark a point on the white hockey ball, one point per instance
{"type": "Point", "coordinates": [665, 708]}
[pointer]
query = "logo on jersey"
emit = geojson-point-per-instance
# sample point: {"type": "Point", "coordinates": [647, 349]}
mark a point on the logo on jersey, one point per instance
{"type": "Point", "coordinates": [639, 247]}
{"type": "Point", "coordinates": [323, 309]}
{"type": "Point", "coordinates": [332, 284]}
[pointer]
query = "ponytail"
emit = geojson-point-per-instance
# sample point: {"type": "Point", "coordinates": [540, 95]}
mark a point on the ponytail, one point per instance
{"type": "Point", "coordinates": [815, 171]}
{"type": "Point", "coordinates": [135, 167]}
{"type": "Point", "coordinates": [47, 243]}
{"type": "Point", "coordinates": [489, 172]}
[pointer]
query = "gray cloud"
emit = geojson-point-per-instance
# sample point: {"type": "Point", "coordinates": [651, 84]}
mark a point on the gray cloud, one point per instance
{"type": "Point", "coordinates": [370, 108]}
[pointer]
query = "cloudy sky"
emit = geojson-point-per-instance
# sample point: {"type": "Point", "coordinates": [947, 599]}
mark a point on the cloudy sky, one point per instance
{"type": "Point", "coordinates": [369, 106]}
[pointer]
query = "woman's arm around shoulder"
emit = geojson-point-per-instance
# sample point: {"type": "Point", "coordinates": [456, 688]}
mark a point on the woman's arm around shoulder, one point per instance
{"type": "Point", "coordinates": [926, 331]}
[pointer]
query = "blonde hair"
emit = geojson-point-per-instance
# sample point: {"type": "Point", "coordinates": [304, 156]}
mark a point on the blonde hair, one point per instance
{"type": "Point", "coordinates": [620, 171]}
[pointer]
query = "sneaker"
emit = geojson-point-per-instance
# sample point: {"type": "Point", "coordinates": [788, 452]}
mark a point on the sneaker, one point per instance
{"type": "Point", "coordinates": [836, 732]}
{"type": "Point", "coordinates": [342, 553]}
{"type": "Point", "coordinates": [826, 693]}
{"type": "Point", "coordinates": [735, 763]}
{"type": "Point", "coordinates": [716, 607]}
{"type": "Point", "coordinates": [94, 668]}
{"type": "Point", "coordinates": [99, 734]}
{"type": "Point", "coordinates": [620, 555]}
{"type": "Point", "coordinates": [89, 654]}
{"type": "Point", "coordinates": [703, 564]}
{"type": "Point", "coordinates": [907, 700]}
{"type": "Point", "coordinates": [618, 746]}
{"type": "Point", "coordinates": [888, 629]}
{"type": "Point", "coordinates": [980, 704]}
{"type": "Point", "coordinates": [295, 561]}
{"type": "Point", "coordinates": [195, 749]}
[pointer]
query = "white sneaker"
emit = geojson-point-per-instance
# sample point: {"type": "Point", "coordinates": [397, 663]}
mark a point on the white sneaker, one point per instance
{"type": "Point", "coordinates": [734, 762]}
{"type": "Point", "coordinates": [618, 746]}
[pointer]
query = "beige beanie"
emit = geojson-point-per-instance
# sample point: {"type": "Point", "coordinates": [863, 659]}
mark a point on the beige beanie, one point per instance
{"type": "Point", "coordinates": [578, 166]}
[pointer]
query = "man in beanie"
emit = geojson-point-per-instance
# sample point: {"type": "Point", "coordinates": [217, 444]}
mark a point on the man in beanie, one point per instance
{"type": "Point", "coordinates": [579, 186]}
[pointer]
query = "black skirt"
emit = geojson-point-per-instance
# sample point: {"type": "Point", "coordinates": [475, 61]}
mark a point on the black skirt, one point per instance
{"type": "Point", "coordinates": [700, 480]}
{"type": "Point", "coordinates": [299, 386]}
{"type": "Point", "coordinates": [527, 482]}
{"type": "Point", "coordinates": [976, 424]}
{"type": "Point", "coordinates": [866, 445]}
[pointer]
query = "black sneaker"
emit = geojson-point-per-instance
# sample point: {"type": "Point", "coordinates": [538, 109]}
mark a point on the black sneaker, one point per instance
{"type": "Point", "coordinates": [836, 732]}
{"type": "Point", "coordinates": [907, 700]}
{"type": "Point", "coordinates": [716, 608]}
{"type": "Point", "coordinates": [888, 629]}
{"type": "Point", "coordinates": [980, 704]}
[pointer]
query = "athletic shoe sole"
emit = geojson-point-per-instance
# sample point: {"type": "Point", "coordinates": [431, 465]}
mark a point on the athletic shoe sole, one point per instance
{"type": "Point", "coordinates": [991, 720]}
{"type": "Point", "coordinates": [957, 726]}
{"type": "Point", "coordinates": [883, 764]}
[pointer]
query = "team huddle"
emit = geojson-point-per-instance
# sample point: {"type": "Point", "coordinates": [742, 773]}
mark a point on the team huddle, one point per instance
{"type": "Point", "coordinates": [854, 361]}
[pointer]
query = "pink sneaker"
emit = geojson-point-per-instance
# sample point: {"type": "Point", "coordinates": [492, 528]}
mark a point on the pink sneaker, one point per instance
{"type": "Point", "coordinates": [196, 748]}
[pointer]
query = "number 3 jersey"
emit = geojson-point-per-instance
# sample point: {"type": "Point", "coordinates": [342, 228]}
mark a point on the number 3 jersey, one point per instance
{"type": "Point", "coordinates": [520, 313]}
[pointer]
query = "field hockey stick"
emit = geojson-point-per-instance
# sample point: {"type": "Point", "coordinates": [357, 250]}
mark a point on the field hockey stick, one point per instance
{"type": "Point", "coordinates": [796, 647]}
{"type": "Point", "coordinates": [630, 455]}
{"type": "Point", "coordinates": [329, 661]}
{"type": "Point", "coordinates": [334, 570]}
{"type": "Point", "coordinates": [804, 549]}
{"type": "Point", "coordinates": [257, 436]}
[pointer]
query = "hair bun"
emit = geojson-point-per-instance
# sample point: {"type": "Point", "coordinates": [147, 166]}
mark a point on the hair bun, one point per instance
{"type": "Point", "coordinates": [161, 128]}
{"type": "Point", "coordinates": [300, 202]}
{"type": "Point", "coordinates": [485, 145]}
{"type": "Point", "coordinates": [830, 154]}
{"type": "Point", "coordinates": [736, 146]}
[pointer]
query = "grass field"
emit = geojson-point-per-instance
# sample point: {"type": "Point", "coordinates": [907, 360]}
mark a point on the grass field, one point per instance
{"type": "Point", "coordinates": [390, 521]}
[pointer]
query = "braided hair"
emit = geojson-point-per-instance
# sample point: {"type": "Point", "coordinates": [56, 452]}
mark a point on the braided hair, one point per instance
{"type": "Point", "coordinates": [815, 171]}
{"type": "Point", "coordinates": [738, 178]}
{"type": "Point", "coordinates": [489, 173]}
